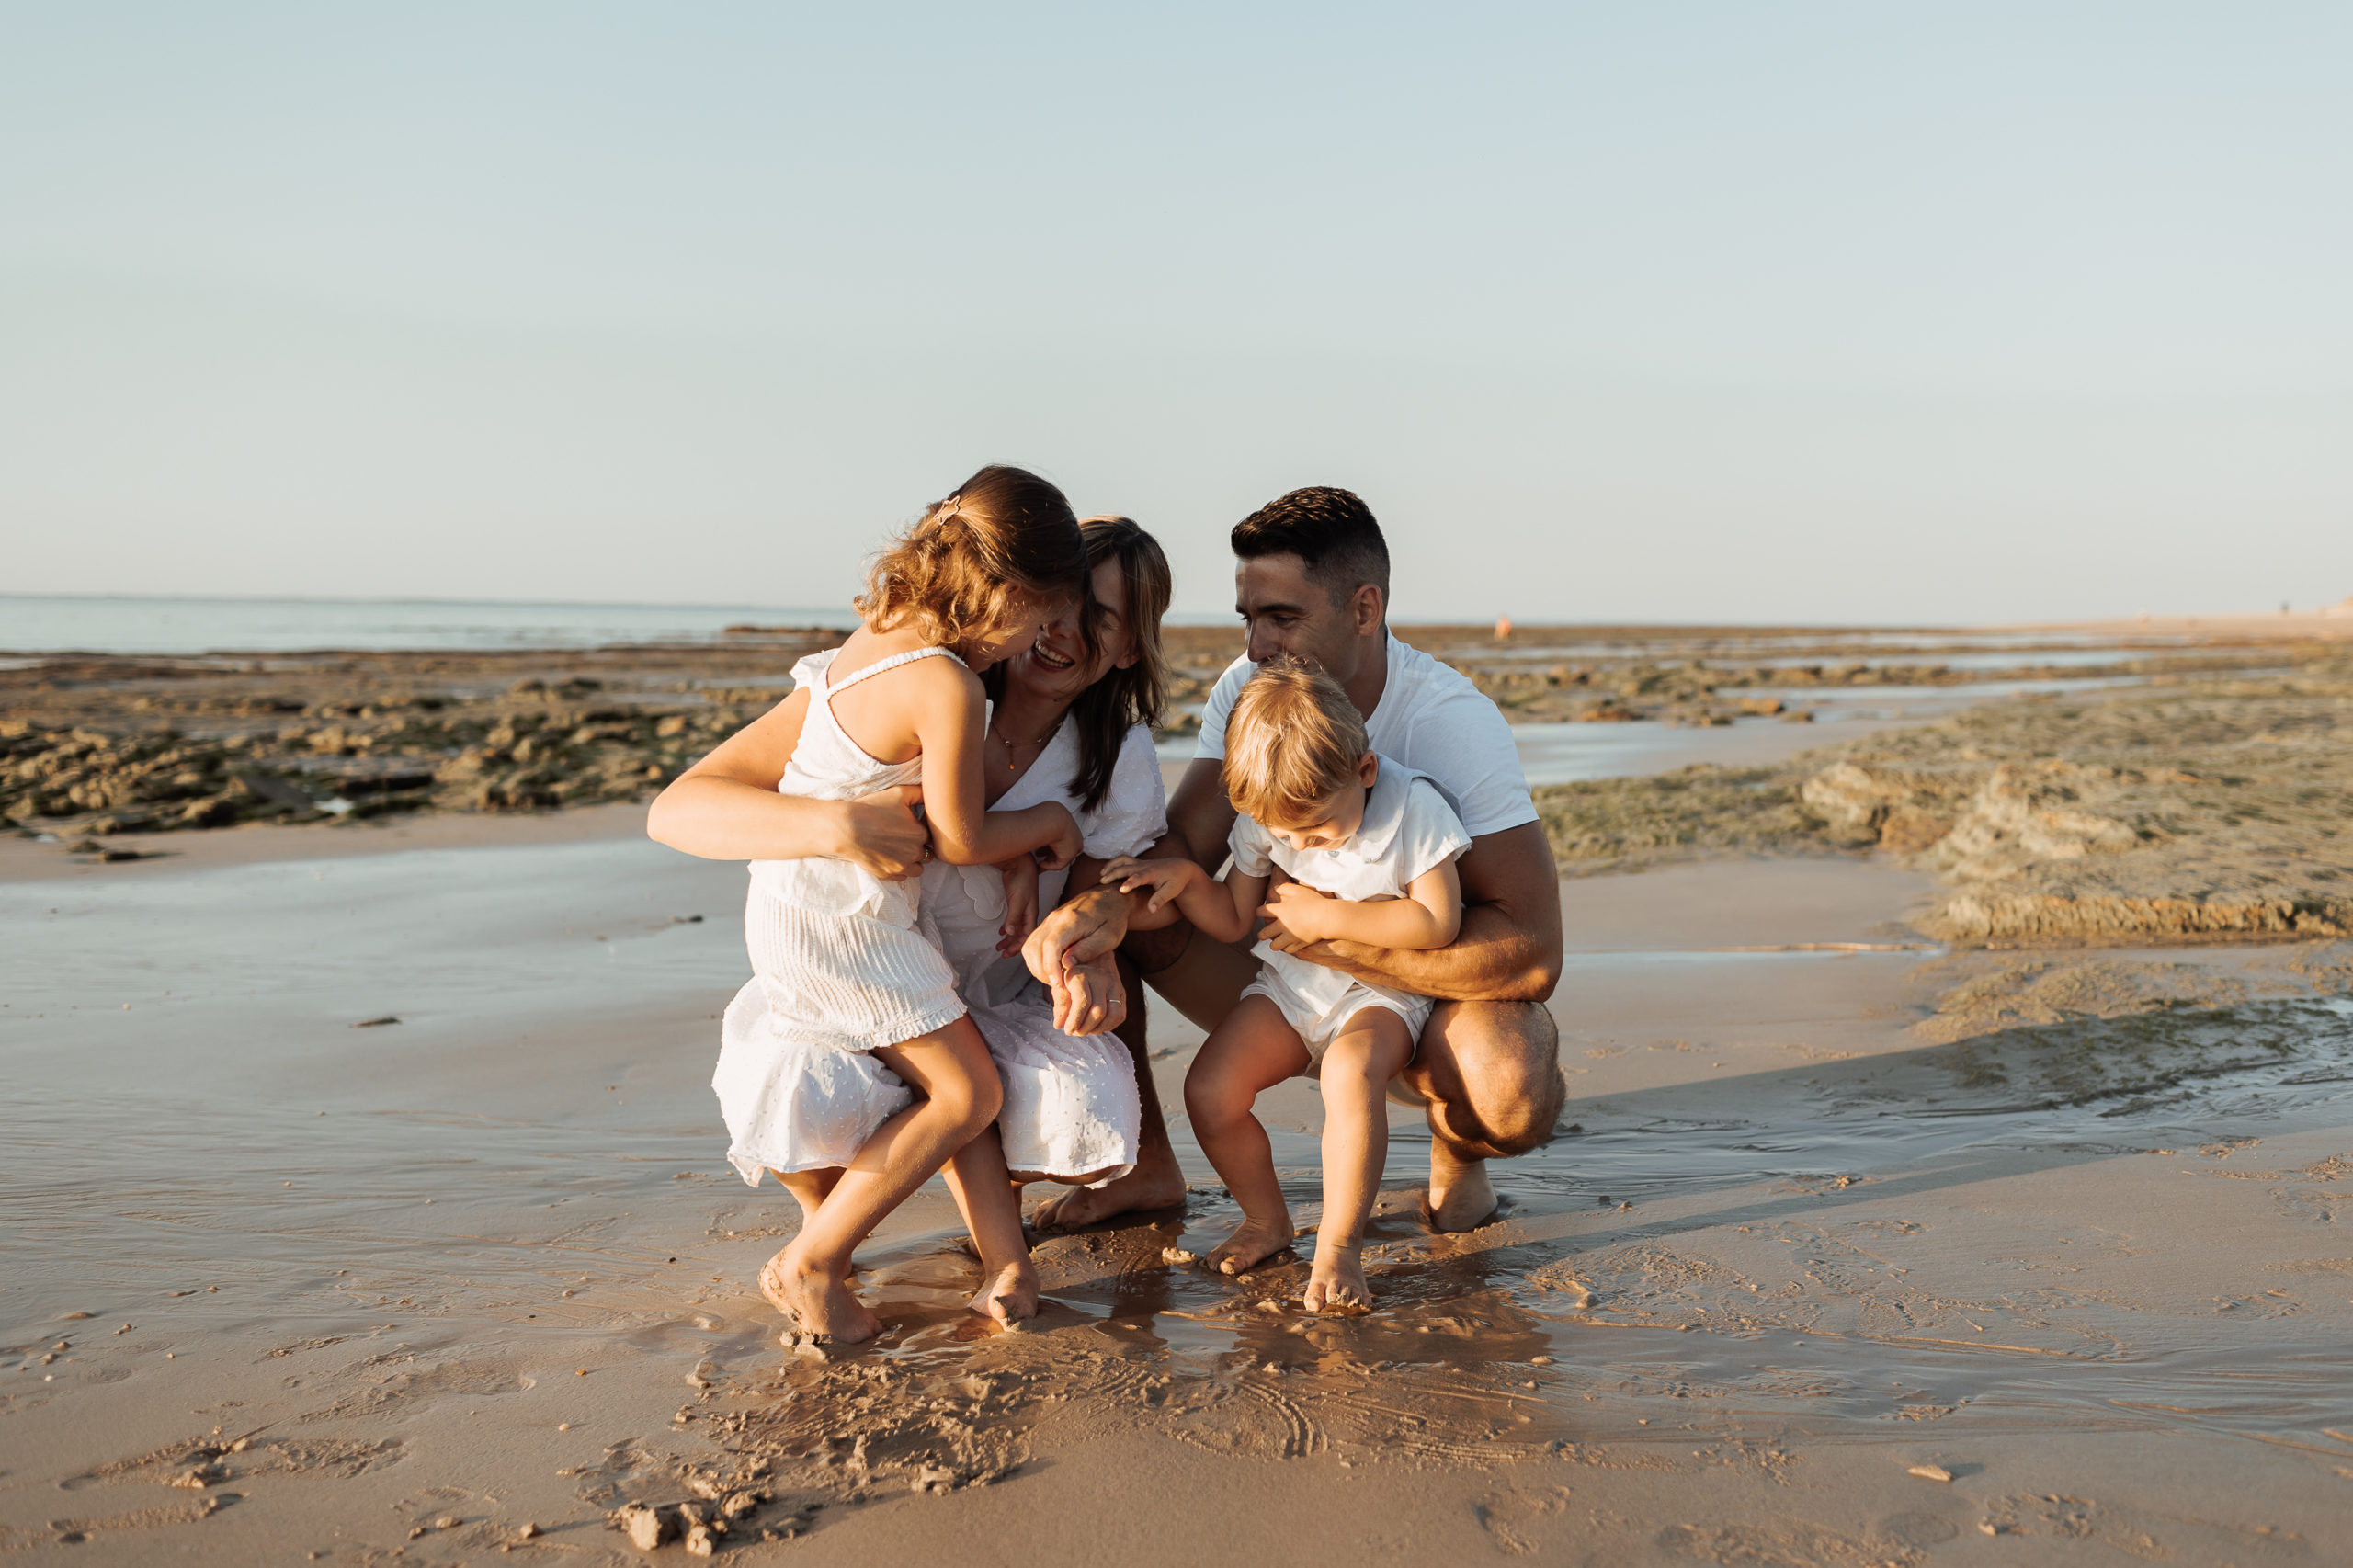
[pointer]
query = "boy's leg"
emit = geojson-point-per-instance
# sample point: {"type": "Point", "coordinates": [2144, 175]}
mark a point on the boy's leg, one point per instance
{"type": "Point", "coordinates": [991, 1205]}
{"type": "Point", "coordinates": [1252, 1050]}
{"type": "Point", "coordinates": [961, 1094]}
{"type": "Point", "coordinates": [1369, 1051]}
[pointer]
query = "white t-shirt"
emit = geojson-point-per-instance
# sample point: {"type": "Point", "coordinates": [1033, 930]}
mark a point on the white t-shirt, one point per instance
{"type": "Point", "coordinates": [1432, 718]}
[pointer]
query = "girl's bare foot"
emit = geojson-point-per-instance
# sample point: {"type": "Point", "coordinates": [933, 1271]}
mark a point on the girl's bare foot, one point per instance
{"type": "Point", "coordinates": [1337, 1285]}
{"type": "Point", "coordinates": [1010, 1295]}
{"type": "Point", "coordinates": [817, 1302]}
{"type": "Point", "coordinates": [1252, 1242]}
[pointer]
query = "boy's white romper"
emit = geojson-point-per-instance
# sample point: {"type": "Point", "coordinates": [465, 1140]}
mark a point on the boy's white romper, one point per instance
{"type": "Point", "coordinates": [1408, 829]}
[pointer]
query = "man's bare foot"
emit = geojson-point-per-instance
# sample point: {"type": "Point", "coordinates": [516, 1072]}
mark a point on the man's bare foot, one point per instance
{"type": "Point", "coordinates": [817, 1302]}
{"type": "Point", "coordinates": [1153, 1184]}
{"type": "Point", "coordinates": [1010, 1295]}
{"type": "Point", "coordinates": [1337, 1285]}
{"type": "Point", "coordinates": [1253, 1243]}
{"type": "Point", "coordinates": [1460, 1197]}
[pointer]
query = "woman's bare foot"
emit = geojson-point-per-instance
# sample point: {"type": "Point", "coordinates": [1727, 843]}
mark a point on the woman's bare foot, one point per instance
{"type": "Point", "coordinates": [816, 1301]}
{"type": "Point", "coordinates": [1252, 1242]}
{"type": "Point", "coordinates": [1010, 1295]}
{"type": "Point", "coordinates": [1337, 1285]}
{"type": "Point", "coordinates": [1461, 1197]}
{"type": "Point", "coordinates": [1153, 1184]}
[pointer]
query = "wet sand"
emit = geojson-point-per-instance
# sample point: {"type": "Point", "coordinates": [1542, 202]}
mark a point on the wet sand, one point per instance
{"type": "Point", "coordinates": [1803, 1235]}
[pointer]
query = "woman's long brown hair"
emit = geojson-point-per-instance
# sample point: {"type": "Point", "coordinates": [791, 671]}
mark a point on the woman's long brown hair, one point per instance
{"type": "Point", "coordinates": [1122, 699]}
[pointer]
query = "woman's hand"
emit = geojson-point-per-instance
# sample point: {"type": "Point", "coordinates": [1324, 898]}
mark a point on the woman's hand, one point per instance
{"type": "Point", "coordinates": [1020, 875]}
{"type": "Point", "coordinates": [882, 834]}
{"type": "Point", "coordinates": [1167, 878]}
{"type": "Point", "coordinates": [1296, 915]}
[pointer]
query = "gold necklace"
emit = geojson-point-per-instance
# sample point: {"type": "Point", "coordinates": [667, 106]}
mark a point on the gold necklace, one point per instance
{"type": "Point", "coordinates": [1011, 766]}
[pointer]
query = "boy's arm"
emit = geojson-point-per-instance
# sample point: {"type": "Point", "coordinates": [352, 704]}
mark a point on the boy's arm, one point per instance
{"type": "Point", "coordinates": [1220, 910]}
{"type": "Point", "coordinates": [1427, 917]}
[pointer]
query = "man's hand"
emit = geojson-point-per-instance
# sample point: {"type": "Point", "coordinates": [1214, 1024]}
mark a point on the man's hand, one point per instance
{"type": "Point", "coordinates": [882, 834]}
{"type": "Point", "coordinates": [1085, 930]}
{"type": "Point", "coordinates": [1295, 915]}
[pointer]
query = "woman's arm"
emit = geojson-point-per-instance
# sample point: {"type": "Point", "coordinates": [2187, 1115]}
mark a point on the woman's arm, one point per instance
{"type": "Point", "coordinates": [1427, 917]}
{"type": "Point", "coordinates": [726, 808]}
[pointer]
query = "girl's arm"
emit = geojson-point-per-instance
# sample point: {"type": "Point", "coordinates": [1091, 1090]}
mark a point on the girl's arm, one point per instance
{"type": "Point", "coordinates": [951, 716]}
{"type": "Point", "coordinates": [1427, 917]}
{"type": "Point", "coordinates": [1221, 911]}
{"type": "Point", "coordinates": [726, 808]}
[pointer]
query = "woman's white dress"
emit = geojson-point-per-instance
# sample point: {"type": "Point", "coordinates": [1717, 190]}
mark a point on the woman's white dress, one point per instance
{"type": "Point", "coordinates": [838, 968]}
{"type": "Point", "coordinates": [1071, 1106]}
{"type": "Point", "coordinates": [844, 962]}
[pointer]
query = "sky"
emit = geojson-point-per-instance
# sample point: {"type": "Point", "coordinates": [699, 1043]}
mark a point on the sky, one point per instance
{"type": "Point", "coordinates": [1812, 313]}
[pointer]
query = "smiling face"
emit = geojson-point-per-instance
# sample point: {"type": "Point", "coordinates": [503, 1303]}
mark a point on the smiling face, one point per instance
{"type": "Point", "coordinates": [1056, 667]}
{"type": "Point", "coordinates": [1288, 611]}
{"type": "Point", "coordinates": [1023, 621]}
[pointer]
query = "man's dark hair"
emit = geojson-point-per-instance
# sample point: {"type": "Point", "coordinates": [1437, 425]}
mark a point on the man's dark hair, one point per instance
{"type": "Point", "coordinates": [1331, 530]}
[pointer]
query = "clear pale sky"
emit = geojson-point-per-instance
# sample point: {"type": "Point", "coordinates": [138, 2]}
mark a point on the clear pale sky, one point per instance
{"type": "Point", "coordinates": [1852, 312]}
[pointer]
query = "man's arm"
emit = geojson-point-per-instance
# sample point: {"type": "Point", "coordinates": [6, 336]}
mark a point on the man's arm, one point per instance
{"type": "Point", "coordinates": [1510, 947]}
{"type": "Point", "coordinates": [726, 808]}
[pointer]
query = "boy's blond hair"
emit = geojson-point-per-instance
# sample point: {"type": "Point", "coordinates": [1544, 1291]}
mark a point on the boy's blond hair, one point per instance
{"type": "Point", "coordinates": [1293, 740]}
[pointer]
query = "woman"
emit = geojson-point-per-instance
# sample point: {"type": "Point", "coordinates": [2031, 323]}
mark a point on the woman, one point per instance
{"type": "Point", "coordinates": [1072, 722]}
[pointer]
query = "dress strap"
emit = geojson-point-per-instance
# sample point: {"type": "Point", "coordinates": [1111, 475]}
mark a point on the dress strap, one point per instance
{"type": "Point", "coordinates": [879, 665]}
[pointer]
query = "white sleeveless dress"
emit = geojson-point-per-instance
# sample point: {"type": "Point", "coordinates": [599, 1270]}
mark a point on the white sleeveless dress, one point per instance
{"type": "Point", "coordinates": [1071, 1106]}
{"type": "Point", "coordinates": [838, 969]}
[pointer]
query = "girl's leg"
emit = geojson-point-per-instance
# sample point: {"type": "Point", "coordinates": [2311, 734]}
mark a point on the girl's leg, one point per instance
{"type": "Point", "coordinates": [1251, 1052]}
{"type": "Point", "coordinates": [1356, 1068]}
{"type": "Point", "coordinates": [808, 1187]}
{"type": "Point", "coordinates": [954, 1073]}
{"type": "Point", "coordinates": [991, 1205]}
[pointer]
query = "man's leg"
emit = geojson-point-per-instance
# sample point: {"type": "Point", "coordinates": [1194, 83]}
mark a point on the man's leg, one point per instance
{"type": "Point", "coordinates": [1491, 1072]}
{"type": "Point", "coordinates": [1203, 980]}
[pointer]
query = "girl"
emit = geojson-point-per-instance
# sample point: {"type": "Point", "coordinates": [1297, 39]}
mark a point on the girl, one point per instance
{"type": "Point", "coordinates": [848, 1066]}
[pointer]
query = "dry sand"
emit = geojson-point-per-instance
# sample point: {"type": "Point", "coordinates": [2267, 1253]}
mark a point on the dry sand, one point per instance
{"type": "Point", "coordinates": [1838, 1262]}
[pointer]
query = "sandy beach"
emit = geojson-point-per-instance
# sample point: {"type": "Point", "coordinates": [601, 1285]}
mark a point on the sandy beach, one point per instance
{"type": "Point", "coordinates": [364, 1204]}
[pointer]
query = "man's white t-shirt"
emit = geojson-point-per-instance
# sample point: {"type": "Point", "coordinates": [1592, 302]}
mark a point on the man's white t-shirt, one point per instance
{"type": "Point", "coordinates": [1432, 718]}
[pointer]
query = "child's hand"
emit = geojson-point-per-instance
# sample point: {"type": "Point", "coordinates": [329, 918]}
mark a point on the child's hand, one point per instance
{"type": "Point", "coordinates": [1167, 878]}
{"type": "Point", "coordinates": [1064, 847]}
{"type": "Point", "coordinates": [1298, 914]}
{"type": "Point", "coordinates": [1020, 875]}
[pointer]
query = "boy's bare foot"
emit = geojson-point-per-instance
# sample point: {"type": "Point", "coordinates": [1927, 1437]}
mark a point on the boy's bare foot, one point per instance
{"type": "Point", "coordinates": [817, 1301]}
{"type": "Point", "coordinates": [1153, 1184]}
{"type": "Point", "coordinates": [1253, 1243]}
{"type": "Point", "coordinates": [1461, 1197]}
{"type": "Point", "coordinates": [1337, 1285]}
{"type": "Point", "coordinates": [1010, 1295]}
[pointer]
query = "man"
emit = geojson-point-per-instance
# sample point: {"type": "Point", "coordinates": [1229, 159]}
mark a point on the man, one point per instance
{"type": "Point", "coordinates": [1312, 580]}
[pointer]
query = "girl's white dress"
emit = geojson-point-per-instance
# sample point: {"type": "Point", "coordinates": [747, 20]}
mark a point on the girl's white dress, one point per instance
{"type": "Point", "coordinates": [1071, 1106]}
{"type": "Point", "coordinates": [838, 968]}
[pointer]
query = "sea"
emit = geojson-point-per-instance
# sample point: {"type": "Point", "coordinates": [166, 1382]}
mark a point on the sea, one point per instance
{"type": "Point", "coordinates": [97, 624]}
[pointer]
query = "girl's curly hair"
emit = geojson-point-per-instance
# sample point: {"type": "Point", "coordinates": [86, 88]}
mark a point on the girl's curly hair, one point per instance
{"type": "Point", "coordinates": [1005, 532]}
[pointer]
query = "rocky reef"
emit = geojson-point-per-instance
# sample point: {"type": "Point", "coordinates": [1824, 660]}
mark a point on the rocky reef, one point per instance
{"type": "Point", "coordinates": [2209, 811]}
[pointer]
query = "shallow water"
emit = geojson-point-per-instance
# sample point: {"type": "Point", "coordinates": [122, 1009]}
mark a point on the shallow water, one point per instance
{"type": "Point", "coordinates": [1772, 1213]}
